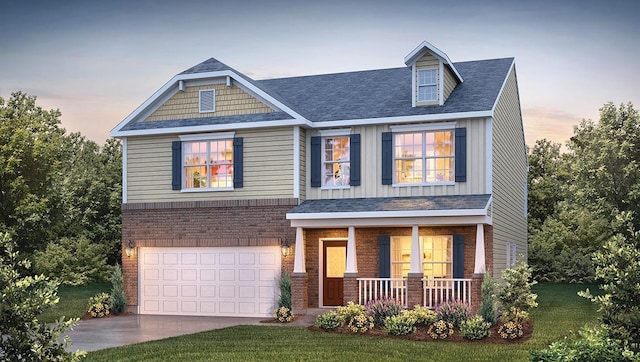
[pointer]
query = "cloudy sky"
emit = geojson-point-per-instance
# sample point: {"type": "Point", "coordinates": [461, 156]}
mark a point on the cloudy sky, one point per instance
{"type": "Point", "coordinates": [98, 60]}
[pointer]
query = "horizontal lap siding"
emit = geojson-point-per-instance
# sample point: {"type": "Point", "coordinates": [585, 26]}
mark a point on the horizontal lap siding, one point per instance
{"type": "Point", "coordinates": [450, 82]}
{"type": "Point", "coordinates": [510, 176]}
{"type": "Point", "coordinates": [268, 168]}
{"type": "Point", "coordinates": [371, 186]}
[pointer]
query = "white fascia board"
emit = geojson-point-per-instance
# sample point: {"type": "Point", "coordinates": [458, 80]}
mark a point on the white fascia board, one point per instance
{"type": "Point", "coordinates": [504, 84]}
{"type": "Point", "coordinates": [207, 136]}
{"type": "Point", "coordinates": [488, 155]}
{"type": "Point", "coordinates": [296, 162]}
{"type": "Point", "coordinates": [411, 58]}
{"type": "Point", "coordinates": [423, 127]}
{"type": "Point", "coordinates": [335, 132]}
{"type": "Point", "coordinates": [392, 222]}
{"type": "Point", "coordinates": [386, 214]}
{"type": "Point", "coordinates": [401, 119]}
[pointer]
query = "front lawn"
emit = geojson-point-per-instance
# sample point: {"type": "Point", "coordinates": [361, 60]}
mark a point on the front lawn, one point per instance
{"type": "Point", "coordinates": [73, 301]}
{"type": "Point", "coordinates": [560, 312]}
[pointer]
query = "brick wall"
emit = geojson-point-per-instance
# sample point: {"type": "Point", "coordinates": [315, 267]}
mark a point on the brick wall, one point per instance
{"type": "Point", "coordinates": [197, 224]}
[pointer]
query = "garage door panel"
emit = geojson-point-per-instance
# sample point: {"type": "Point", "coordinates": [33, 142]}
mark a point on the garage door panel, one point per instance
{"type": "Point", "coordinates": [189, 307]}
{"type": "Point", "coordinates": [247, 292]}
{"type": "Point", "coordinates": [246, 275]}
{"type": "Point", "coordinates": [170, 306]}
{"type": "Point", "coordinates": [207, 275]}
{"type": "Point", "coordinates": [151, 274]}
{"type": "Point", "coordinates": [189, 275]}
{"type": "Point", "coordinates": [170, 258]}
{"type": "Point", "coordinates": [227, 275]}
{"type": "Point", "coordinates": [170, 275]}
{"type": "Point", "coordinates": [268, 258]}
{"type": "Point", "coordinates": [207, 291]}
{"type": "Point", "coordinates": [207, 259]}
{"type": "Point", "coordinates": [189, 258]}
{"type": "Point", "coordinates": [227, 259]}
{"type": "Point", "coordinates": [170, 291]}
{"type": "Point", "coordinates": [267, 275]}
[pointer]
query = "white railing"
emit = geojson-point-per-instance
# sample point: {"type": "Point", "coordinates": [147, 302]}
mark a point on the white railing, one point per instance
{"type": "Point", "coordinates": [442, 290]}
{"type": "Point", "coordinates": [378, 288]}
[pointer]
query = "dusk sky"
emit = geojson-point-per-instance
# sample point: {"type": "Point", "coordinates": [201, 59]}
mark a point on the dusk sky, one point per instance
{"type": "Point", "coordinates": [98, 61]}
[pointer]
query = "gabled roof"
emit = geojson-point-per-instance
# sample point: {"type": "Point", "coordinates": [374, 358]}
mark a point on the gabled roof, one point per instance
{"type": "Point", "coordinates": [412, 57]}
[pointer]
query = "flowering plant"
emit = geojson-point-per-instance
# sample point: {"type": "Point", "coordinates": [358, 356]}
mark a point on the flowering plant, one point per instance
{"type": "Point", "coordinates": [283, 314]}
{"type": "Point", "coordinates": [440, 330]}
{"type": "Point", "coordinates": [361, 323]}
{"type": "Point", "coordinates": [510, 330]}
{"type": "Point", "coordinates": [99, 305]}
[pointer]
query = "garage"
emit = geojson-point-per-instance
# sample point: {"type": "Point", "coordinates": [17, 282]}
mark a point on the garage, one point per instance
{"type": "Point", "coordinates": [212, 281]}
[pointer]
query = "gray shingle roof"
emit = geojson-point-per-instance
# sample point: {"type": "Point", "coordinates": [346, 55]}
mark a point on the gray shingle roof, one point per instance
{"type": "Point", "coordinates": [205, 121]}
{"type": "Point", "coordinates": [453, 202]}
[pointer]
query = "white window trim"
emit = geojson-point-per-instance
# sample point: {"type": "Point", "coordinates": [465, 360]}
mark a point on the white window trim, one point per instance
{"type": "Point", "coordinates": [511, 254]}
{"type": "Point", "coordinates": [335, 134]}
{"type": "Point", "coordinates": [440, 126]}
{"type": "Point", "coordinates": [200, 100]}
{"type": "Point", "coordinates": [201, 138]}
{"type": "Point", "coordinates": [425, 183]}
{"type": "Point", "coordinates": [418, 85]}
{"type": "Point", "coordinates": [394, 239]}
{"type": "Point", "coordinates": [207, 136]}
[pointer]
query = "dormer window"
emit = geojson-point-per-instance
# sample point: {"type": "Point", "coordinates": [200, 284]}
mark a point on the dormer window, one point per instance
{"type": "Point", "coordinates": [427, 85]}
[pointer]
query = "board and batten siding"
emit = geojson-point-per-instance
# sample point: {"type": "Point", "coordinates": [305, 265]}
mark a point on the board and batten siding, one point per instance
{"type": "Point", "coordinates": [510, 176]}
{"type": "Point", "coordinates": [229, 101]}
{"type": "Point", "coordinates": [303, 164]}
{"type": "Point", "coordinates": [268, 168]}
{"type": "Point", "coordinates": [371, 185]}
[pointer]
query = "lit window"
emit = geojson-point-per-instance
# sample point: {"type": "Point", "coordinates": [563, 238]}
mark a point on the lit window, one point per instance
{"type": "Point", "coordinates": [423, 157]}
{"type": "Point", "coordinates": [437, 256]}
{"type": "Point", "coordinates": [427, 85]}
{"type": "Point", "coordinates": [336, 165]}
{"type": "Point", "coordinates": [208, 164]}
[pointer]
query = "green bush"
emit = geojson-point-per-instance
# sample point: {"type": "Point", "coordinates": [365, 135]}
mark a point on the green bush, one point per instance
{"type": "Point", "coordinates": [400, 325]}
{"type": "Point", "coordinates": [515, 295]}
{"type": "Point", "coordinates": [488, 304]}
{"type": "Point", "coordinates": [440, 330]}
{"type": "Point", "coordinates": [98, 306]}
{"type": "Point", "coordinates": [349, 311]}
{"type": "Point", "coordinates": [361, 323]}
{"type": "Point", "coordinates": [329, 321]}
{"type": "Point", "coordinates": [117, 301]}
{"type": "Point", "coordinates": [422, 315]}
{"type": "Point", "coordinates": [593, 345]}
{"type": "Point", "coordinates": [475, 328]}
{"type": "Point", "coordinates": [454, 312]}
{"type": "Point", "coordinates": [510, 330]}
{"type": "Point", "coordinates": [285, 291]}
{"type": "Point", "coordinates": [380, 309]}
{"type": "Point", "coordinates": [73, 261]}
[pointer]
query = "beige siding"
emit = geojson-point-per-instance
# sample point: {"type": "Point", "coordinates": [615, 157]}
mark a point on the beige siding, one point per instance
{"type": "Point", "coordinates": [510, 176]}
{"type": "Point", "coordinates": [230, 101]}
{"type": "Point", "coordinates": [303, 164]}
{"type": "Point", "coordinates": [371, 186]}
{"type": "Point", "coordinates": [426, 61]}
{"type": "Point", "coordinates": [450, 82]}
{"type": "Point", "coordinates": [268, 168]}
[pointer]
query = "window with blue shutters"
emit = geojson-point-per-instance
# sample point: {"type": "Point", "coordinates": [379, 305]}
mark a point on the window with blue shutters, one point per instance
{"type": "Point", "coordinates": [437, 256]}
{"type": "Point", "coordinates": [335, 161]}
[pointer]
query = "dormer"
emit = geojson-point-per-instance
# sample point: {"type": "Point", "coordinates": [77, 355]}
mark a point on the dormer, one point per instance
{"type": "Point", "coordinates": [433, 75]}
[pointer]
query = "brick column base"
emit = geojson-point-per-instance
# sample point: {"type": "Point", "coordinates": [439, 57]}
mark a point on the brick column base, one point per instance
{"type": "Point", "coordinates": [299, 292]}
{"type": "Point", "coordinates": [476, 292]}
{"type": "Point", "coordinates": [350, 288]}
{"type": "Point", "coordinates": [414, 289]}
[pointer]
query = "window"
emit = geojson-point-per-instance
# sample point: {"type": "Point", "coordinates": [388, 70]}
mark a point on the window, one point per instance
{"type": "Point", "coordinates": [208, 164]}
{"type": "Point", "coordinates": [511, 254]}
{"type": "Point", "coordinates": [427, 85]}
{"type": "Point", "coordinates": [437, 256]}
{"type": "Point", "coordinates": [207, 100]}
{"type": "Point", "coordinates": [424, 157]}
{"type": "Point", "coordinates": [336, 165]}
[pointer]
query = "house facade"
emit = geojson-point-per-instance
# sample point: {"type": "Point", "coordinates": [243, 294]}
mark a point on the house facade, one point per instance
{"type": "Point", "coordinates": [407, 183]}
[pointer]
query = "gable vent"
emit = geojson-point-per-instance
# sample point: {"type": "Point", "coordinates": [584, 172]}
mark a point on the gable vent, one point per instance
{"type": "Point", "coordinates": [208, 100]}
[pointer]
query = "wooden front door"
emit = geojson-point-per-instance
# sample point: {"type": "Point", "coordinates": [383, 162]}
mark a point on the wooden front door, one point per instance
{"type": "Point", "coordinates": [335, 263]}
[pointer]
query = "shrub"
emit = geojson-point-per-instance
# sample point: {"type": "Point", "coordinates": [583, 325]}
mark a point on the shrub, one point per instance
{"type": "Point", "coordinates": [380, 309]}
{"type": "Point", "coordinates": [349, 311]}
{"type": "Point", "coordinates": [454, 312]}
{"type": "Point", "coordinates": [400, 325]}
{"type": "Point", "coordinates": [488, 304]}
{"type": "Point", "coordinates": [510, 330]}
{"type": "Point", "coordinates": [475, 328]}
{"type": "Point", "coordinates": [361, 323]}
{"type": "Point", "coordinates": [440, 330]}
{"type": "Point", "coordinates": [73, 261]}
{"type": "Point", "coordinates": [422, 315]}
{"type": "Point", "coordinates": [328, 321]}
{"type": "Point", "coordinates": [285, 291]}
{"type": "Point", "coordinates": [593, 345]}
{"type": "Point", "coordinates": [99, 305]}
{"type": "Point", "coordinates": [515, 295]}
{"type": "Point", "coordinates": [283, 314]}
{"type": "Point", "coordinates": [117, 301]}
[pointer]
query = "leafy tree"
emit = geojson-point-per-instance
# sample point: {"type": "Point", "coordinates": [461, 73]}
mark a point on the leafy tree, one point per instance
{"type": "Point", "coordinates": [22, 299]}
{"type": "Point", "coordinates": [487, 308]}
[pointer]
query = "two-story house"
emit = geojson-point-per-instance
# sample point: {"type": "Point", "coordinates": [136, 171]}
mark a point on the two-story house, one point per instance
{"type": "Point", "coordinates": [407, 183]}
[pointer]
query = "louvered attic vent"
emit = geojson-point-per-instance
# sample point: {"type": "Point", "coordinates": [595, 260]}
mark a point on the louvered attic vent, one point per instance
{"type": "Point", "coordinates": [207, 100]}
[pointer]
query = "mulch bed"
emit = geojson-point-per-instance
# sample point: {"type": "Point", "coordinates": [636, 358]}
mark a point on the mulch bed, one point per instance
{"type": "Point", "coordinates": [421, 335]}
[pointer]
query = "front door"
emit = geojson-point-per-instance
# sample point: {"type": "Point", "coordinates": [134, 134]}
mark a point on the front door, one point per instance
{"type": "Point", "coordinates": [335, 263]}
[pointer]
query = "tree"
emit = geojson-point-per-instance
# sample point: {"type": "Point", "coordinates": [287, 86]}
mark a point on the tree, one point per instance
{"type": "Point", "coordinates": [22, 300]}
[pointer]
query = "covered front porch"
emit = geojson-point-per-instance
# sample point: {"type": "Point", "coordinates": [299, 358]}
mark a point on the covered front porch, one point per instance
{"type": "Point", "coordinates": [417, 250]}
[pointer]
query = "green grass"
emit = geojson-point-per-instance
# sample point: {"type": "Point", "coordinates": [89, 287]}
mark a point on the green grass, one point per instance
{"type": "Point", "coordinates": [560, 313]}
{"type": "Point", "coordinates": [73, 301]}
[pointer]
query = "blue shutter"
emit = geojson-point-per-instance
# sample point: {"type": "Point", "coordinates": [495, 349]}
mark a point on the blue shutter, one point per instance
{"type": "Point", "coordinates": [176, 165]}
{"type": "Point", "coordinates": [458, 256]}
{"type": "Point", "coordinates": [461, 155]}
{"type": "Point", "coordinates": [384, 256]}
{"type": "Point", "coordinates": [387, 158]}
{"type": "Point", "coordinates": [316, 162]}
{"type": "Point", "coordinates": [238, 163]}
{"type": "Point", "coordinates": [355, 159]}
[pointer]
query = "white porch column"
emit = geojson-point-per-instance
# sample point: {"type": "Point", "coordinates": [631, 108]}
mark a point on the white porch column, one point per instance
{"type": "Point", "coordinates": [416, 252]}
{"type": "Point", "coordinates": [298, 261]}
{"type": "Point", "coordinates": [352, 262]}
{"type": "Point", "coordinates": [480, 265]}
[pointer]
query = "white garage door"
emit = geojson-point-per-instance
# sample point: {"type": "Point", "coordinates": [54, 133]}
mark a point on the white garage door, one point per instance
{"type": "Point", "coordinates": [221, 281]}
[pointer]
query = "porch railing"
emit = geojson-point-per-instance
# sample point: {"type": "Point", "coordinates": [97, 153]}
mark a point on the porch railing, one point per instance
{"type": "Point", "coordinates": [442, 290]}
{"type": "Point", "coordinates": [378, 288]}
